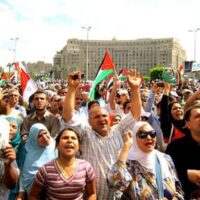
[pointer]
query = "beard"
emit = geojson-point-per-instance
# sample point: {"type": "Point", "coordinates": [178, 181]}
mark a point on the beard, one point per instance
{"type": "Point", "coordinates": [40, 109]}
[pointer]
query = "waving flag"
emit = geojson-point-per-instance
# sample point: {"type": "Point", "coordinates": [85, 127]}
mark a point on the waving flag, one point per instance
{"type": "Point", "coordinates": [106, 68]}
{"type": "Point", "coordinates": [123, 74]}
{"type": "Point", "coordinates": [28, 85]}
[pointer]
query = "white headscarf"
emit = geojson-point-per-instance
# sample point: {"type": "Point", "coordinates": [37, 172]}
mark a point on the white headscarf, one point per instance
{"type": "Point", "coordinates": [147, 160]}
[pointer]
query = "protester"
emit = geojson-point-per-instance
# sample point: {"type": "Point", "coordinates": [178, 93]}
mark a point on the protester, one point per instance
{"type": "Point", "coordinates": [74, 177]}
{"type": "Point", "coordinates": [100, 143]}
{"type": "Point", "coordinates": [9, 171]}
{"type": "Point", "coordinates": [14, 101]}
{"type": "Point", "coordinates": [14, 140]}
{"type": "Point", "coordinates": [41, 115]}
{"type": "Point", "coordinates": [185, 154]}
{"type": "Point", "coordinates": [40, 149]}
{"type": "Point", "coordinates": [171, 117]}
{"type": "Point", "coordinates": [141, 172]}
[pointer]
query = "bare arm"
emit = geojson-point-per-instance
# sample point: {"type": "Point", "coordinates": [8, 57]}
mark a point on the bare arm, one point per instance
{"type": "Point", "coordinates": [35, 192]}
{"type": "Point", "coordinates": [194, 176]}
{"type": "Point", "coordinates": [128, 140]}
{"type": "Point", "coordinates": [91, 191]}
{"type": "Point", "coordinates": [134, 80]}
{"type": "Point", "coordinates": [69, 101]}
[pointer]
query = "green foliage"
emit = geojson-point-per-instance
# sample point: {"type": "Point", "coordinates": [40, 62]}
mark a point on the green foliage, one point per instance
{"type": "Point", "coordinates": [32, 75]}
{"type": "Point", "coordinates": [146, 78]}
{"type": "Point", "coordinates": [156, 72]}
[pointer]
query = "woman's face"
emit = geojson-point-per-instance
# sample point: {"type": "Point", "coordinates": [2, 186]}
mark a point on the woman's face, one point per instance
{"type": "Point", "coordinates": [68, 145]}
{"type": "Point", "coordinates": [116, 120]}
{"type": "Point", "coordinates": [43, 138]}
{"type": "Point", "coordinates": [177, 111]}
{"type": "Point", "coordinates": [13, 129]}
{"type": "Point", "coordinates": [146, 138]}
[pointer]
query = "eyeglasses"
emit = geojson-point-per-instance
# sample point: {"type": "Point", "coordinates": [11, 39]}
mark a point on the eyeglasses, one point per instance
{"type": "Point", "coordinates": [144, 134]}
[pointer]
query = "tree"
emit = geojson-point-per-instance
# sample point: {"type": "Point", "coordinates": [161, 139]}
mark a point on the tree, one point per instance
{"type": "Point", "coordinates": [156, 72]}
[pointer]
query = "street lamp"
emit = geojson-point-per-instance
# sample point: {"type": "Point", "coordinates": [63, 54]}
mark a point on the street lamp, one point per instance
{"type": "Point", "coordinates": [194, 31]}
{"type": "Point", "coordinates": [87, 30]}
{"type": "Point", "coordinates": [15, 46]}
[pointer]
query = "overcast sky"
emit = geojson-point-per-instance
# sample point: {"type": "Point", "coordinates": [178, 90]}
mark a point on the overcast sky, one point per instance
{"type": "Point", "coordinates": [44, 26]}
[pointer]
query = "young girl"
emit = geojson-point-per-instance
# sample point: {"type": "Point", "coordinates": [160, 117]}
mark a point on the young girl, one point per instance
{"type": "Point", "coordinates": [65, 177]}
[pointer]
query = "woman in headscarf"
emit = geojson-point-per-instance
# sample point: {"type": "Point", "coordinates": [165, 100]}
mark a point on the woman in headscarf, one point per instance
{"type": "Point", "coordinates": [40, 149]}
{"type": "Point", "coordinates": [14, 136]}
{"type": "Point", "coordinates": [141, 172]}
{"type": "Point", "coordinates": [171, 117]}
{"type": "Point", "coordinates": [14, 140]}
{"type": "Point", "coordinates": [9, 172]}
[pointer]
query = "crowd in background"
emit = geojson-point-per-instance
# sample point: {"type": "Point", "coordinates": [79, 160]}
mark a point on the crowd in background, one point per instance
{"type": "Point", "coordinates": [135, 140]}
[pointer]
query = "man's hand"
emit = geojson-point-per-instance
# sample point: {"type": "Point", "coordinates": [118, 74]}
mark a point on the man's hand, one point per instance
{"type": "Point", "coordinates": [194, 176]}
{"type": "Point", "coordinates": [74, 80]}
{"type": "Point", "coordinates": [134, 79]}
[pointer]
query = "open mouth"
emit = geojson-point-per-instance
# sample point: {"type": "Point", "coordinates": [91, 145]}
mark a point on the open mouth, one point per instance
{"type": "Point", "coordinates": [69, 147]}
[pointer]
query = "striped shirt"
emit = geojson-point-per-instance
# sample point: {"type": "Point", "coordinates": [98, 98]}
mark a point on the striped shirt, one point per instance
{"type": "Point", "coordinates": [58, 187]}
{"type": "Point", "coordinates": [101, 152]}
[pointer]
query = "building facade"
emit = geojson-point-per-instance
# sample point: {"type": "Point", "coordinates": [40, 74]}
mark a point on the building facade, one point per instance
{"type": "Point", "coordinates": [141, 54]}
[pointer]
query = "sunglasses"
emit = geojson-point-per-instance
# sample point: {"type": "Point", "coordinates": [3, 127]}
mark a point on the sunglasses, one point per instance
{"type": "Point", "coordinates": [144, 134]}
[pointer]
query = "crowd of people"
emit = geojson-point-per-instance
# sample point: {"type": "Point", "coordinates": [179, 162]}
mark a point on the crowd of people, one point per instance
{"type": "Point", "coordinates": [135, 141]}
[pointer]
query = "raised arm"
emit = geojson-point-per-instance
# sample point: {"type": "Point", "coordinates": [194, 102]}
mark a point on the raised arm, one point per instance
{"type": "Point", "coordinates": [134, 81]}
{"type": "Point", "coordinates": [69, 101]}
{"type": "Point", "coordinates": [165, 120]}
{"type": "Point", "coordinates": [150, 101]}
{"type": "Point", "coordinates": [191, 99]}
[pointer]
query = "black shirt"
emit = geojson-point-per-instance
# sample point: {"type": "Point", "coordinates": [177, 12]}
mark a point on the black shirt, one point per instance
{"type": "Point", "coordinates": [185, 153]}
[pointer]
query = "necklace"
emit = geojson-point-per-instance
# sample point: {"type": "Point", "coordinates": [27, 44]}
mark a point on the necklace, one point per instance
{"type": "Point", "coordinates": [62, 169]}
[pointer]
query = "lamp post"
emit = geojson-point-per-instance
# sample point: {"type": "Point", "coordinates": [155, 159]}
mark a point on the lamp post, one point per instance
{"type": "Point", "coordinates": [194, 31]}
{"type": "Point", "coordinates": [87, 31]}
{"type": "Point", "coordinates": [15, 46]}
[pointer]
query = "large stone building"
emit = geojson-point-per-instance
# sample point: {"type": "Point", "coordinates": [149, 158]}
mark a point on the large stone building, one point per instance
{"type": "Point", "coordinates": [141, 54]}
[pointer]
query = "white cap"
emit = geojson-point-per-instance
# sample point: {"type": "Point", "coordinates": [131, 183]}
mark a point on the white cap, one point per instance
{"type": "Point", "coordinates": [122, 91]}
{"type": "Point", "coordinates": [173, 93]}
{"type": "Point", "coordinates": [145, 114]}
{"type": "Point", "coordinates": [187, 91]}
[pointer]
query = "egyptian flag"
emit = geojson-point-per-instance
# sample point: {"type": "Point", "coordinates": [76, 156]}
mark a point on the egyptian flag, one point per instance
{"type": "Point", "coordinates": [27, 84]}
{"type": "Point", "coordinates": [106, 68]}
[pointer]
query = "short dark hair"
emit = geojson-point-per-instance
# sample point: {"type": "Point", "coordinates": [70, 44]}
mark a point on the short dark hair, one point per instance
{"type": "Point", "coordinates": [73, 130]}
{"type": "Point", "coordinates": [39, 92]}
{"type": "Point", "coordinates": [92, 103]}
{"type": "Point", "coordinates": [67, 129]}
{"type": "Point", "coordinates": [189, 110]}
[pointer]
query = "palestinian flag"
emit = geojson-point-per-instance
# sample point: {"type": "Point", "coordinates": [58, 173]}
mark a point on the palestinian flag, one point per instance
{"type": "Point", "coordinates": [106, 68]}
{"type": "Point", "coordinates": [123, 74]}
{"type": "Point", "coordinates": [3, 76]}
{"type": "Point", "coordinates": [180, 73]}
